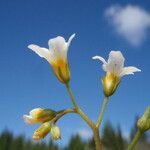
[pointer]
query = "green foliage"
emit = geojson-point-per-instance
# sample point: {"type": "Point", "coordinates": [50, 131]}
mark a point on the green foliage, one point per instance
{"type": "Point", "coordinates": [112, 138]}
{"type": "Point", "coordinates": [76, 143]}
{"type": "Point", "coordinates": [6, 140]}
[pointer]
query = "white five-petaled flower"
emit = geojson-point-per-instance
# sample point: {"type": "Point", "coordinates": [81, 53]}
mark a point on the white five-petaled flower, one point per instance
{"type": "Point", "coordinates": [39, 115]}
{"type": "Point", "coordinates": [115, 64]}
{"type": "Point", "coordinates": [56, 55]}
{"type": "Point", "coordinates": [115, 69]}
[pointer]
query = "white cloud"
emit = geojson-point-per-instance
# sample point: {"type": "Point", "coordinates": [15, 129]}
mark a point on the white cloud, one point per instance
{"type": "Point", "coordinates": [85, 133]}
{"type": "Point", "coordinates": [131, 22]}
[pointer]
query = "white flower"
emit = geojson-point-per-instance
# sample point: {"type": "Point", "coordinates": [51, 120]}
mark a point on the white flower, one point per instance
{"type": "Point", "coordinates": [39, 115]}
{"type": "Point", "coordinates": [115, 64]}
{"type": "Point", "coordinates": [58, 48]}
{"type": "Point", "coordinates": [115, 69]}
{"type": "Point", "coordinates": [56, 55]}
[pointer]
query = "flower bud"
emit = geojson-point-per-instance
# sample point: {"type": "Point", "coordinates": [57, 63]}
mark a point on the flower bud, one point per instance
{"type": "Point", "coordinates": [61, 70]}
{"type": "Point", "coordinates": [42, 131]}
{"type": "Point", "coordinates": [39, 115]}
{"type": "Point", "coordinates": [143, 123]}
{"type": "Point", "coordinates": [110, 83]}
{"type": "Point", "coordinates": [55, 133]}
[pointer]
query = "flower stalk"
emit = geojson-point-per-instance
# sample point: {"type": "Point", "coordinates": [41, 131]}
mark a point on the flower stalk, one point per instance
{"type": "Point", "coordinates": [78, 109]}
{"type": "Point", "coordinates": [97, 140]}
{"type": "Point", "coordinates": [100, 118]}
{"type": "Point", "coordinates": [62, 113]}
{"type": "Point", "coordinates": [86, 119]}
{"type": "Point", "coordinates": [135, 140]}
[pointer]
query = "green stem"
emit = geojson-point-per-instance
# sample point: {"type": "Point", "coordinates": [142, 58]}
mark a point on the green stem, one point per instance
{"type": "Point", "coordinates": [100, 118]}
{"type": "Point", "coordinates": [135, 140]}
{"type": "Point", "coordinates": [61, 113]}
{"type": "Point", "coordinates": [97, 140]}
{"type": "Point", "coordinates": [72, 97]}
{"type": "Point", "coordinates": [77, 108]}
{"type": "Point", "coordinates": [87, 120]}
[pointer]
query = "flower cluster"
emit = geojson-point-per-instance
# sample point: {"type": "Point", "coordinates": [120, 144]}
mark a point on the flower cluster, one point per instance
{"type": "Point", "coordinates": [56, 55]}
{"type": "Point", "coordinates": [45, 117]}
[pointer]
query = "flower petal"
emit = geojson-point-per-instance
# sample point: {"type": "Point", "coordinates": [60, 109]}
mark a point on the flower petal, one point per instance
{"type": "Point", "coordinates": [70, 39]}
{"type": "Point", "coordinates": [115, 62]}
{"type": "Point", "coordinates": [58, 47]}
{"type": "Point", "coordinates": [29, 119]}
{"type": "Point", "coordinates": [42, 52]}
{"type": "Point", "coordinates": [57, 44]}
{"type": "Point", "coordinates": [100, 58]}
{"type": "Point", "coordinates": [129, 70]}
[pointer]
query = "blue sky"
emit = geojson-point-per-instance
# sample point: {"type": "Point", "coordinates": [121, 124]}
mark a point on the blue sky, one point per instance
{"type": "Point", "coordinates": [27, 81]}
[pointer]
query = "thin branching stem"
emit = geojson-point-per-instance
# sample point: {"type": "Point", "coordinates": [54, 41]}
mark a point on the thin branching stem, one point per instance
{"type": "Point", "coordinates": [86, 118]}
{"type": "Point", "coordinates": [62, 113]}
{"type": "Point", "coordinates": [101, 115]}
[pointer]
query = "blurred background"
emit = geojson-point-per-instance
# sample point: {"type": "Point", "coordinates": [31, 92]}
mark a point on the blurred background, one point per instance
{"type": "Point", "coordinates": [27, 81]}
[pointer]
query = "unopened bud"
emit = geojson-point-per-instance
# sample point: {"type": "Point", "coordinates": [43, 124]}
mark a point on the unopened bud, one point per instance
{"type": "Point", "coordinates": [144, 122]}
{"type": "Point", "coordinates": [42, 131]}
{"type": "Point", "coordinates": [39, 115]}
{"type": "Point", "coordinates": [55, 133]}
{"type": "Point", "coordinates": [110, 83]}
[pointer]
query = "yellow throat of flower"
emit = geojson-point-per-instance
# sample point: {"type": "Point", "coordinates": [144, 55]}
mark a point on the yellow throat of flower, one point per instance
{"type": "Point", "coordinates": [61, 70]}
{"type": "Point", "coordinates": [110, 83]}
